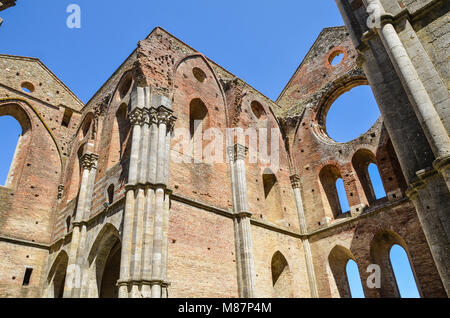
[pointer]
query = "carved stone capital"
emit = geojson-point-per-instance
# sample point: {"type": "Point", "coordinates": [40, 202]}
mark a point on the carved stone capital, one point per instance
{"type": "Point", "coordinates": [237, 152]}
{"type": "Point", "coordinates": [165, 116]}
{"type": "Point", "coordinates": [60, 191]}
{"type": "Point", "coordinates": [296, 181]}
{"type": "Point", "coordinates": [89, 161]}
{"type": "Point", "coordinates": [138, 117]}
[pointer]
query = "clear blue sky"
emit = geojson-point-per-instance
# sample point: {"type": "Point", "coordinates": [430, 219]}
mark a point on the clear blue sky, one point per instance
{"type": "Point", "coordinates": [260, 41]}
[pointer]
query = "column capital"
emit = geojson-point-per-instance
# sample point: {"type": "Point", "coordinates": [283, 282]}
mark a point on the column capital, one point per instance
{"type": "Point", "coordinates": [89, 161]}
{"type": "Point", "coordinates": [296, 181]}
{"type": "Point", "coordinates": [164, 115]}
{"type": "Point", "coordinates": [138, 117]}
{"type": "Point", "coordinates": [237, 152]}
{"type": "Point", "coordinates": [60, 191]}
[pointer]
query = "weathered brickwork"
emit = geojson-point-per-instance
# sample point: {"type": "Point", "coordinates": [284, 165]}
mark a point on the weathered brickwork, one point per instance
{"type": "Point", "coordinates": [118, 209]}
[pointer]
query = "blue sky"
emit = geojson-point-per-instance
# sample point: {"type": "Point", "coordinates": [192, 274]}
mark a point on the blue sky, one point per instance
{"type": "Point", "coordinates": [262, 42]}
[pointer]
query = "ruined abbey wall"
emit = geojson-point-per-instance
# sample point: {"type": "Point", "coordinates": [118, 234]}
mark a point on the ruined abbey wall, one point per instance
{"type": "Point", "coordinates": [103, 201]}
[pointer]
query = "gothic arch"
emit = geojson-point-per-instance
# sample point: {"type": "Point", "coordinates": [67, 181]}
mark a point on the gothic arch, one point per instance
{"type": "Point", "coordinates": [124, 86]}
{"type": "Point", "coordinates": [120, 130]}
{"type": "Point", "coordinates": [272, 195]}
{"type": "Point", "coordinates": [23, 144]}
{"type": "Point", "coordinates": [328, 176]}
{"type": "Point", "coordinates": [191, 59]}
{"type": "Point", "coordinates": [57, 276]}
{"type": "Point", "coordinates": [104, 263]}
{"type": "Point", "coordinates": [380, 248]}
{"type": "Point", "coordinates": [361, 161]}
{"type": "Point", "coordinates": [73, 179]}
{"type": "Point", "coordinates": [282, 279]}
{"type": "Point", "coordinates": [28, 118]}
{"type": "Point", "coordinates": [337, 262]}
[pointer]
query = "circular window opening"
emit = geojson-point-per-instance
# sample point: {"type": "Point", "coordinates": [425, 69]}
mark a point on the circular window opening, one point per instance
{"type": "Point", "coordinates": [336, 58]}
{"type": "Point", "coordinates": [199, 74]}
{"type": "Point", "coordinates": [27, 87]}
{"type": "Point", "coordinates": [352, 114]}
{"type": "Point", "coordinates": [258, 110]}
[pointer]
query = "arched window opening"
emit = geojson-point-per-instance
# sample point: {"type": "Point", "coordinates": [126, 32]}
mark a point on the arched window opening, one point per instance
{"type": "Point", "coordinates": [365, 165]}
{"type": "Point", "coordinates": [198, 123]}
{"type": "Point", "coordinates": [354, 280]}
{"type": "Point", "coordinates": [403, 273]}
{"type": "Point", "coordinates": [334, 194]}
{"type": "Point", "coordinates": [345, 281]}
{"type": "Point", "coordinates": [111, 194]}
{"type": "Point", "coordinates": [383, 254]}
{"type": "Point", "coordinates": [67, 117]}
{"type": "Point", "coordinates": [125, 85]}
{"type": "Point", "coordinates": [118, 137]}
{"type": "Point", "coordinates": [352, 114]}
{"type": "Point", "coordinates": [272, 196]}
{"type": "Point", "coordinates": [104, 264]}
{"type": "Point", "coordinates": [198, 113]}
{"type": "Point", "coordinates": [11, 132]}
{"type": "Point", "coordinates": [342, 195]}
{"type": "Point", "coordinates": [75, 180]}
{"type": "Point", "coordinates": [86, 129]}
{"type": "Point", "coordinates": [281, 277]}
{"type": "Point", "coordinates": [377, 183]}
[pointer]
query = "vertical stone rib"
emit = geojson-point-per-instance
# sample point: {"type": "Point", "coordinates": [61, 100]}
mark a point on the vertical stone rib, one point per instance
{"type": "Point", "coordinates": [244, 245]}
{"type": "Point", "coordinates": [296, 186]}
{"type": "Point", "coordinates": [148, 237]}
{"type": "Point", "coordinates": [128, 221]}
{"type": "Point", "coordinates": [161, 154]}
{"type": "Point", "coordinates": [158, 235]}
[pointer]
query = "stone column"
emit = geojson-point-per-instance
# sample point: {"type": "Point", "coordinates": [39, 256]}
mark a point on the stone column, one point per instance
{"type": "Point", "coordinates": [296, 186]}
{"type": "Point", "coordinates": [143, 271]}
{"type": "Point", "coordinates": [427, 114]}
{"type": "Point", "coordinates": [76, 263]}
{"type": "Point", "coordinates": [243, 236]}
{"type": "Point", "coordinates": [432, 202]}
{"type": "Point", "coordinates": [430, 193]}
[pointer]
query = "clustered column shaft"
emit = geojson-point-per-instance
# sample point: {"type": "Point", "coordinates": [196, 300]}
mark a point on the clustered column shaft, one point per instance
{"type": "Point", "coordinates": [76, 268]}
{"type": "Point", "coordinates": [143, 271]}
